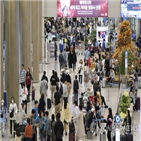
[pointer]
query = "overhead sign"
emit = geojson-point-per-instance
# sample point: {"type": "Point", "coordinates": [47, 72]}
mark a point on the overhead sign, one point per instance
{"type": "Point", "coordinates": [82, 8]}
{"type": "Point", "coordinates": [131, 8]}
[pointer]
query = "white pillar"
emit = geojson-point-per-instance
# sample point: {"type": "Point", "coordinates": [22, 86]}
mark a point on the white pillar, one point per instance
{"type": "Point", "coordinates": [137, 28]}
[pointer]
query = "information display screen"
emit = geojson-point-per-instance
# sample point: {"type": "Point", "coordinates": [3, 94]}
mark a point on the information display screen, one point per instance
{"type": "Point", "coordinates": [131, 8]}
{"type": "Point", "coordinates": [82, 8]}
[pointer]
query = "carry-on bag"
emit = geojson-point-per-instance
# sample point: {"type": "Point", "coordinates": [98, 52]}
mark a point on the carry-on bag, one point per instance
{"type": "Point", "coordinates": [122, 138]}
{"type": "Point", "coordinates": [137, 104]}
{"type": "Point", "coordinates": [48, 103]}
{"type": "Point", "coordinates": [71, 136]}
{"type": "Point", "coordinates": [103, 136]}
{"type": "Point", "coordinates": [71, 127]}
{"type": "Point", "coordinates": [129, 137]}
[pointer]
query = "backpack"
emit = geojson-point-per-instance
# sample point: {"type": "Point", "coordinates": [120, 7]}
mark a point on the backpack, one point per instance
{"type": "Point", "coordinates": [61, 58]}
{"type": "Point", "coordinates": [61, 89]}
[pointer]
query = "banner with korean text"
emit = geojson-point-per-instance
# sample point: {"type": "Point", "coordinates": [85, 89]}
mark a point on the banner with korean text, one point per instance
{"type": "Point", "coordinates": [82, 8]}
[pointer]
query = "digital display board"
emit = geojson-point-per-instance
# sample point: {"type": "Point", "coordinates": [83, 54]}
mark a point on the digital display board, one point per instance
{"type": "Point", "coordinates": [131, 8]}
{"type": "Point", "coordinates": [82, 8]}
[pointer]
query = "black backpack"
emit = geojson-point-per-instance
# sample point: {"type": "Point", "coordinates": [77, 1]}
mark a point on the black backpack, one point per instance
{"type": "Point", "coordinates": [61, 58]}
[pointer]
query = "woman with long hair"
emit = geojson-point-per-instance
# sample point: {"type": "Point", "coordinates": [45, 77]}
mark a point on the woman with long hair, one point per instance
{"type": "Point", "coordinates": [66, 115]}
{"type": "Point", "coordinates": [28, 79]}
{"type": "Point", "coordinates": [42, 104]}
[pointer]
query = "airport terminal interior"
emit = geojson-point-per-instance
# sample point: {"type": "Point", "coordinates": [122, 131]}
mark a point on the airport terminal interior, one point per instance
{"type": "Point", "coordinates": [70, 70]}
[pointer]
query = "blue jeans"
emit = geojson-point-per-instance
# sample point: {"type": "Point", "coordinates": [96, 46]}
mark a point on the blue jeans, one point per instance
{"type": "Point", "coordinates": [80, 79]}
{"type": "Point", "coordinates": [76, 96]}
{"type": "Point", "coordinates": [28, 139]}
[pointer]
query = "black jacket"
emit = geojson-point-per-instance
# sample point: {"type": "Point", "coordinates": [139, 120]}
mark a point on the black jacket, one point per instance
{"type": "Point", "coordinates": [58, 129]}
{"type": "Point", "coordinates": [41, 105]}
{"type": "Point", "coordinates": [68, 78]}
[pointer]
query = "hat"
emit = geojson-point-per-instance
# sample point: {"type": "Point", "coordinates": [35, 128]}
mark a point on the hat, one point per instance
{"type": "Point", "coordinates": [2, 101]}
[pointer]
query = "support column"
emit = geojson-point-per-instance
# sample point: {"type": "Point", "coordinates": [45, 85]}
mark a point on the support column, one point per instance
{"type": "Point", "coordinates": [12, 51]}
{"type": "Point", "coordinates": [137, 28]}
{"type": "Point", "coordinates": [40, 31]}
{"type": "Point", "coordinates": [1, 50]}
{"type": "Point", "coordinates": [35, 40]}
{"type": "Point", "coordinates": [24, 8]}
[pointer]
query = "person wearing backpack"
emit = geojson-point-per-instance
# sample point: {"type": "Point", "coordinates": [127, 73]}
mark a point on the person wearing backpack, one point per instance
{"type": "Point", "coordinates": [61, 60]}
{"type": "Point", "coordinates": [75, 88]}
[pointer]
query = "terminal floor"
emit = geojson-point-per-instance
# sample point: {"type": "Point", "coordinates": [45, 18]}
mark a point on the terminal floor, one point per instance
{"type": "Point", "coordinates": [111, 100]}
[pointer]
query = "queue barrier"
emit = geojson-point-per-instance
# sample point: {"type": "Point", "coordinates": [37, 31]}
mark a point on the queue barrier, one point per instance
{"type": "Point", "coordinates": [114, 84]}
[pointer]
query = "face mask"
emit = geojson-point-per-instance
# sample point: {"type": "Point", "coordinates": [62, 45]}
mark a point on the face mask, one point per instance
{"type": "Point", "coordinates": [2, 104]}
{"type": "Point", "coordinates": [12, 101]}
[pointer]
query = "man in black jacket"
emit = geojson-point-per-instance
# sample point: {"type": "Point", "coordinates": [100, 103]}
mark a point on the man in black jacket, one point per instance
{"type": "Point", "coordinates": [58, 128]}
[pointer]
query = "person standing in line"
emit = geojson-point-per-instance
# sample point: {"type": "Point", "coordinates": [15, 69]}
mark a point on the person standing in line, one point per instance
{"type": "Point", "coordinates": [28, 131]}
{"type": "Point", "coordinates": [53, 137]}
{"type": "Point", "coordinates": [23, 114]}
{"type": "Point", "coordinates": [12, 114]}
{"type": "Point", "coordinates": [24, 96]}
{"type": "Point", "coordinates": [75, 88]}
{"type": "Point", "coordinates": [80, 129]}
{"type": "Point", "coordinates": [66, 115]}
{"type": "Point", "coordinates": [80, 71]}
{"type": "Point", "coordinates": [53, 82]}
{"type": "Point", "coordinates": [55, 50]}
{"type": "Point", "coordinates": [61, 60]}
{"type": "Point", "coordinates": [22, 75]}
{"type": "Point", "coordinates": [42, 104]}
{"type": "Point", "coordinates": [48, 126]}
{"type": "Point", "coordinates": [44, 76]}
{"type": "Point", "coordinates": [57, 100]}
{"type": "Point", "coordinates": [103, 45]}
{"type": "Point", "coordinates": [74, 60]}
{"type": "Point", "coordinates": [58, 128]}
{"type": "Point", "coordinates": [29, 78]}
{"type": "Point", "coordinates": [44, 88]}
{"type": "Point", "coordinates": [36, 108]}
{"type": "Point", "coordinates": [3, 113]}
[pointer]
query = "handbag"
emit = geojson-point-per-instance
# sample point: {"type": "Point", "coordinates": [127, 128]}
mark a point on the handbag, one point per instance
{"type": "Point", "coordinates": [79, 71]}
{"type": "Point", "coordinates": [12, 113]}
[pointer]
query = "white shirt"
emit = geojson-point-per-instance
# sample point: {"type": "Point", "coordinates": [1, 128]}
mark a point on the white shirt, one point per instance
{"type": "Point", "coordinates": [65, 90]}
{"type": "Point", "coordinates": [24, 93]}
{"type": "Point", "coordinates": [80, 66]}
{"type": "Point", "coordinates": [76, 112]}
{"type": "Point", "coordinates": [11, 107]}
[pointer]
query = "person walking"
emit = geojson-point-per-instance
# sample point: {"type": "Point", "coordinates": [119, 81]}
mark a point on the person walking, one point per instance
{"type": "Point", "coordinates": [66, 115]}
{"type": "Point", "coordinates": [58, 128]}
{"type": "Point", "coordinates": [74, 60]}
{"type": "Point", "coordinates": [42, 104]}
{"type": "Point", "coordinates": [53, 137]}
{"type": "Point", "coordinates": [36, 108]}
{"type": "Point", "coordinates": [12, 114]}
{"type": "Point", "coordinates": [29, 78]}
{"type": "Point", "coordinates": [53, 82]}
{"type": "Point", "coordinates": [75, 88]}
{"type": "Point", "coordinates": [44, 76]}
{"type": "Point", "coordinates": [48, 126]}
{"type": "Point", "coordinates": [55, 50]}
{"type": "Point", "coordinates": [65, 90]}
{"type": "Point", "coordinates": [41, 121]}
{"type": "Point", "coordinates": [57, 100]}
{"type": "Point", "coordinates": [23, 114]}
{"type": "Point", "coordinates": [86, 74]}
{"type": "Point", "coordinates": [70, 60]}
{"type": "Point", "coordinates": [22, 76]}
{"type": "Point", "coordinates": [3, 113]}
{"type": "Point", "coordinates": [44, 88]}
{"type": "Point", "coordinates": [61, 60]}
{"type": "Point", "coordinates": [80, 71]}
{"type": "Point", "coordinates": [86, 54]}
{"type": "Point", "coordinates": [80, 129]}
{"type": "Point", "coordinates": [28, 131]}
{"type": "Point", "coordinates": [24, 96]}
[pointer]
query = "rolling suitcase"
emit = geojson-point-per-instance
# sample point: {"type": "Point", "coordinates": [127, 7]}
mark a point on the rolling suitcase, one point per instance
{"type": "Point", "coordinates": [129, 137]}
{"type": "Point", "coordinates": [122, 138]}
{"type": "Point", "coordinates": [103, 136]}
{"type": "Point", "coordinates": [89, 135]}
{"type": "Point", "coordinates": [71, 136]}
{"type": "Point", "coordinates": [137, 104]}
{"type": "Point", "coordinates": [48, 103]}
